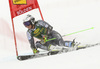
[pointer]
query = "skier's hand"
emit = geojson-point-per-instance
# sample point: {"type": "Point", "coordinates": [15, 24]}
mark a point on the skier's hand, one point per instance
{"type": "Point", "coordinates": [44, 39]}
{"type": "Point", "coordinates": [35, 51]}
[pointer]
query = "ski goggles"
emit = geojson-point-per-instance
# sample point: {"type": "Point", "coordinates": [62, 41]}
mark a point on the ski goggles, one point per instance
{"type": "Point", "coordinates": [27, 23]}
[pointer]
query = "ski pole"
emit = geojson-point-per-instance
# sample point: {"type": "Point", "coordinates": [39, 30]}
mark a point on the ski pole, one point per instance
{"type": "Point", "coordinates": [78, 31]}
{"type": "Point", "coordinates": [71, 33]}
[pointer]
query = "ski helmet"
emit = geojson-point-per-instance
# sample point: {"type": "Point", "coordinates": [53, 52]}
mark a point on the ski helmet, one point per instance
{"type": "Point", "coordinates": [29, 20]}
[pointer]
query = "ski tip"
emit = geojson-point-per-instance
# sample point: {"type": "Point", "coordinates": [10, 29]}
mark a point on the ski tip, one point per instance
{"type": "Point", "coordinates": [19, 58]}
{"type": "Point", "coordinates": [25, 57]}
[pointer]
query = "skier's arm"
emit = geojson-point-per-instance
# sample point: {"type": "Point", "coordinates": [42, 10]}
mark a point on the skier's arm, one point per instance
{"type": "Point", "coordinates": [31, 41]}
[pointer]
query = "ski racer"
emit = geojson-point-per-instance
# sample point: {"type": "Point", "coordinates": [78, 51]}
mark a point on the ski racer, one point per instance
{"type": "Point", "coordinates": [43, 31]}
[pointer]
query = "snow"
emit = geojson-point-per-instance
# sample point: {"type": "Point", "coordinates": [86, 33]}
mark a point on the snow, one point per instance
{"type": "Point", "coordinates": [66, 16]}
{"type": "Point", "coordinates": [81, 59]}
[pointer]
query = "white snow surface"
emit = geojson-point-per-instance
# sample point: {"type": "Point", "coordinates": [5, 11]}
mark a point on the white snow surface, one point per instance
{"type": "Point", "coordinates": [66, 16]}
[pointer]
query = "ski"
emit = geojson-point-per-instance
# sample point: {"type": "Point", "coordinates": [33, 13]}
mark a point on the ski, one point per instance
{"type": "Point", "coordinates": [87, 46]}
{"type": "Point", "coordinates": [25, 57]}
{"type": "Point", "coordinates": [64, 49]}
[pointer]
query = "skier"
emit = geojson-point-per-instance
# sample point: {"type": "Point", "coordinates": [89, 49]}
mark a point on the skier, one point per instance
{"type": "Point", "coordinates": [43, 31]}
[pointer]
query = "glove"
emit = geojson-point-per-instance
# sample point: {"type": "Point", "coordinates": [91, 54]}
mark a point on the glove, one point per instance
{"type": "Point", "coordinates": [35, 51]}
{"type": "Point", "coordinates": [43, 41]}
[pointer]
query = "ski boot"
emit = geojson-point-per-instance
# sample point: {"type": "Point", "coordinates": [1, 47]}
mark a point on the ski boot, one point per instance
{"type": "Point", "coordinates": [72, 45]}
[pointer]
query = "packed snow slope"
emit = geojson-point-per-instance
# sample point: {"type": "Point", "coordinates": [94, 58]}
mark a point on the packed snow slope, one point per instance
{"type": "Point", "coordinates": [81, 59]}
{"type": "Point", "coordinates": [66, 16]}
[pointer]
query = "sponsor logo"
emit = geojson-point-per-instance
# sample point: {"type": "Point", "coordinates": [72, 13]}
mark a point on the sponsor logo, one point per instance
{"type": "Point", "coordinates": [24, 10]}
{"type": "Point", "coordinates": [36, 31]}
{"type": "Point", "coordinates": [21, 2]}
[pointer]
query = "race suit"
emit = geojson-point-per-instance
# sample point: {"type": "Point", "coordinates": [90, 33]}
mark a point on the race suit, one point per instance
{"type": "Point", "coordinates": [43, 28]}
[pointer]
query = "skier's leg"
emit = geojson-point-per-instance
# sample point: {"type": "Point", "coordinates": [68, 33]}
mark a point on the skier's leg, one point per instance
{"type": "Point", "coordinates": [59, 40]}
{"type": "Point", "coordinates": [47, 46]}
{"type": "Point", "coordinates": [42, 46]}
